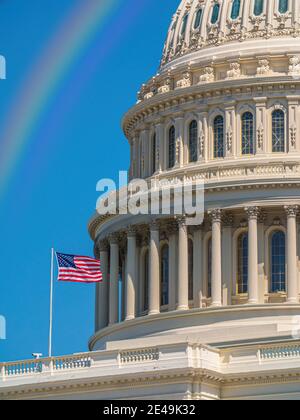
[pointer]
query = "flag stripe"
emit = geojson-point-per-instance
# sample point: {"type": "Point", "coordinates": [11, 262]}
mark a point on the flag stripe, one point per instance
{"type": "Point", "coordinates": [78, 269]}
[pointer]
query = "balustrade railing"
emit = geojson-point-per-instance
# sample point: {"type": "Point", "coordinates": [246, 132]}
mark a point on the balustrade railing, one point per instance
{"type": "Point", "coordinates": [46, 365]}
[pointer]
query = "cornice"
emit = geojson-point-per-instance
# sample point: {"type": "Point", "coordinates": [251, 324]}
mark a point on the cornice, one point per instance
{"type": "Point", "coordinates": [217, 185]}
{"type": "Point", "coordinates": [159, 104]}
{"type": "Point", "coordinates": [119, 382]}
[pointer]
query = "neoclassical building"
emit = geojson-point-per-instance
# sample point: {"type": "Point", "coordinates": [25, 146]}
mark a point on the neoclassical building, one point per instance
{"type": "Point", "coordinates": [208, 311]}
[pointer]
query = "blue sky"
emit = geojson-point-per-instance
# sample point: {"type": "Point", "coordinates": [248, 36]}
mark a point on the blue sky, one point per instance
{"type": "Point", "coordinates": [77, 140]}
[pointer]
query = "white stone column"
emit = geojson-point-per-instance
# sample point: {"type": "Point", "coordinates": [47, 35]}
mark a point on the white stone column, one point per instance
{"type": "Point", "coordinates": [172, 232]}
{"type": "Point", "coordinates": [114, 280]}
{"type": "Point", "coordinates": [216, 271]}
{"type": "Point", "coordinates": [227, 223]}
{"type": "Point", "coordinates": [197, 267]}
{"type": "Point", "coordinates": [252, 255]}
{"type": "Point", "coordinates": [183, 266]}
{"type": "Point", "coordinates": [263, 287]}
{"type": "Point", "coordinates": [292, 272]}
{"type": "Point", "coordinates": [154, 269]}
{"type": "Point", "coordinates": [131, 275]}
{"type": "Point", "coordinates": [101, 316]}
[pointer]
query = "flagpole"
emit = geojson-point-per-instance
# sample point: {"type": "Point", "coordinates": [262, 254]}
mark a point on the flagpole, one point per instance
{"type": "Point", "coordinates": [51, 303]}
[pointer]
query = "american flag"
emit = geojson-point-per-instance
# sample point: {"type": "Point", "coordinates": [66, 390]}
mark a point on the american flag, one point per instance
{"type": "Point", "coordinates": [78, 269]}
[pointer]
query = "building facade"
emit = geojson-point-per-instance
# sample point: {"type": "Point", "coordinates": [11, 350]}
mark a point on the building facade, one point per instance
{"type": "Point", "coordinates": [209, 311]}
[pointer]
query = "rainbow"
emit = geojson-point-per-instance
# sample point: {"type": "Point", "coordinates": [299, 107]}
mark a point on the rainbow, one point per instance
{"type": "Point", "coordinates": [41, 85]}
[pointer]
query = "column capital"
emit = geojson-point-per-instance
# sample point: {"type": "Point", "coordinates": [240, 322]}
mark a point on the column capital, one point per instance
{"type": "Point", "coordinates": [227, 220]}
{"type": "Point", "coordinates": [154, 226]}
{"type": "Point", "coordinates": [262, 216]}
{"type": "Point", "coordinates": [113, 238]}
{"type": "Point", "coordinates": [291, 211]}
{"type": "Point", "coordinates": [172, 228]}
{"type": "Point", "coordinates": [131, 231]}
{"type": "Point", "coordinates": [215, 215]}
{"type": "Point", "coordinates": [103, 245]}
{"type": "Point", "coordinates": [252, 212]}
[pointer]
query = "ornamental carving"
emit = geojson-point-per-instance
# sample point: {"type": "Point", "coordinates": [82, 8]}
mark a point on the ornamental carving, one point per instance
{"type": "Point", "coordinates": [201, 142]}
{"type": "Point", "coordinates": [215, 215]}
{"type": "Point", "coordinates": [167, 87]}
{"type": "Point", "coordinates": [294, 66]}
{"type": "Point", "coordinates": [263, 67]}
{"type": "Point", "coordinates": [227, 219]}
{"type": "Point", "coordinates": [185, 82]}
{"type": "Point", "coordinates": [207, 75]}
{"type": "Point", "coordinates": [293, 135]}
{"type": "Point", "coordinates": [291, 211]}
{"type": "Point", "coordinates": [252, 212]}
{"type": "Point", "coordinates": [260, 137]}
{"type": "Point", "coordinates": [229, 137]}
{"type": "Point", "coordinates": [103, 245]}
{"type": "Point", "coordinates": [235, 71]}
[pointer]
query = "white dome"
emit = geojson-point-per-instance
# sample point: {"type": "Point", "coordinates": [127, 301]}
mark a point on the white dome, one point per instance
{"type": "Point", "coordinates": [201, 24]}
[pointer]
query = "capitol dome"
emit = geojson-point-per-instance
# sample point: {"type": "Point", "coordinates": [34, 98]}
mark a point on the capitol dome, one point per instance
{"type": "Point", "coordinates": [211, 29]}
{"type": "Point", "coordinates": [223, 108]}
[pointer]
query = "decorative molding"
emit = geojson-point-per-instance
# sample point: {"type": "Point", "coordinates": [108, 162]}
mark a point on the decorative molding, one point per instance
{"type": "Point", "coordinates": [139, 356]}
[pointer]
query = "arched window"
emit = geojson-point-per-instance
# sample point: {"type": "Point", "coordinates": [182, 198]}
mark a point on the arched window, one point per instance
{"type": "Point", "coordinates": [242, 271]}
{"type": "Point", "coordinates": [247, 134]}
{"type": "Point", "coordinates": [172, 147]}
{"type": "Point", "coordinates": [235, 10]}
{"type": "Point", "coordinates": [164, 275]}
{"type": "Point", "coordinates": [191, 269]}
{"type": "Point", "coordinates": [154, 153]}
{"type": "Point", "coordinates": [198, 18]}
{"type": "Point", "coordinates": [193, 138]}
{"type": "Point", "coordinates": [215, 14]}
{"type": "Point", "coordinates": [278, 257]}
{"type": "Point", "coordinates": [184, 24]}
{"type": "Point", "coordinates": [219, 137]}
{"type": "Point", "coordinates": [258, 7]}
{"type": "Point", "coordinates": [146, 282]}
{"type": "Point", "coordinates": [278, 131]}
{"type": "Point", "coordinates": [283, 6]}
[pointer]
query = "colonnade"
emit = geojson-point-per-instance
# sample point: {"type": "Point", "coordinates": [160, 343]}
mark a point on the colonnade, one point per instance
{"type": "Point", "coordinates": [108, 296]}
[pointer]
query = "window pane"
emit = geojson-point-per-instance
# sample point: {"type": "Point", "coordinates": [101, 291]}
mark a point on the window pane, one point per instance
{"type": "Point", "coordinates": [184, 23]}
{"type": "Point", "coordinates": [235, 11]}
{"type": "Point", "coordinates": [283, 6]}
{"type": "Point", "coordinates": [278, 262]}
{"type": "Point", "coordinates": [278, 131]}
{"type": "Point", "coordinates": [258, 7]}
{"type": "Point", "coordinates": [243, 263]}
{"type": "Point", "coordinates": [172, 147]}
{"type": "Point", "coordinates": [198, 19]}
{"type": "Point", "coordinates": [193, 138]}
{"type": "Point", "coordinates": [215, 14]}
{"type": "Point", "coordinates": [247, 134]}
{"type": "Point", "coordinates": [219, 137]}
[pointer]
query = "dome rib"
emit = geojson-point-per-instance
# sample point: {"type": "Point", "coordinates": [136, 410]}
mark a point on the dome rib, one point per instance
{"type": "Point", "coordinates": [219, 25]}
